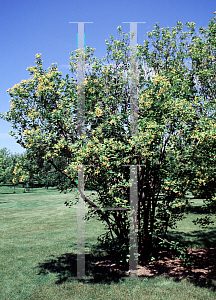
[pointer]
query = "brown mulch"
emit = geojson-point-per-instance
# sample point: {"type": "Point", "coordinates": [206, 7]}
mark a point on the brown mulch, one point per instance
{"type": "Point", "coordinates": [201, 270]}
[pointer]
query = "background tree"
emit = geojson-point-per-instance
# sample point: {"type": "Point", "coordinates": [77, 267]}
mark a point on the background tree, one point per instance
{"type": "Point", "coordinates": [176, 125]}
{"type": "Point", "coordinates": [4, 163]}
{"type": "Point", "coordinates": [24, 169]}
{"type": "Point", "coordinates": [8, 162]}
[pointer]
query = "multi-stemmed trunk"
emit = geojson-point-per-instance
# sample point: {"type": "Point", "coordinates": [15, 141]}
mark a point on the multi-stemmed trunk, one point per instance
{"type": "Point", "coordinates": [147, 201]}
{"type": "Point", "coordinates": [146, 212]}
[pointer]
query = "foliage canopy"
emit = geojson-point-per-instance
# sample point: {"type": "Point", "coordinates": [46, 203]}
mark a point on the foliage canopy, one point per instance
{"type": "Point", "coordinates": [176, 137]}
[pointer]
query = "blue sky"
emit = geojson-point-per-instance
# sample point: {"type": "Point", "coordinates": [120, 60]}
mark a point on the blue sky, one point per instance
{"type": "Point", "coordinates": [30, 27]}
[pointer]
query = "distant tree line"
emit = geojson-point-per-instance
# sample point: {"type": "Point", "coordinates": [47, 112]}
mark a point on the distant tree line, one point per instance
{"type": "Point", "coordinates": [26, 171]}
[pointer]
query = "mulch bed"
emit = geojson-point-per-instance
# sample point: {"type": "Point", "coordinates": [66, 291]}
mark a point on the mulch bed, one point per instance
{"type": "Point", "coordinates": [201, 271]}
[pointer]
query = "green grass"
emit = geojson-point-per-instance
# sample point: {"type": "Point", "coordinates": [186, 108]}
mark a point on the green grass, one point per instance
{"type": "Point", "coordinates": [38, 254]}
{"type": "Point", "coordinates": [193, 236]}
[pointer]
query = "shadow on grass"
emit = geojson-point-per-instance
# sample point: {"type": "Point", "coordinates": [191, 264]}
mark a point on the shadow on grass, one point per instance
{"type": "Point", "coordinates": [19, 192]}
{"type": "Point", "coordinates": [14, 193]}
{"type": "Point", "coordinates": [107, 269]}
{"type": "Point", "coordinates": [9, 190]}
{"type": "Point", "coordinates": [198, 238]}
{"type": "Point", "coordinates": [197, 209]}
{"type": "Point", "coordinates": [101, 268]}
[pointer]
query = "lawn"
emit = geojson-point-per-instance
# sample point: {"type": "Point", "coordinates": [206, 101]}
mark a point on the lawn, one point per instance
{"type": "Point", "coordinates": [38, 253]}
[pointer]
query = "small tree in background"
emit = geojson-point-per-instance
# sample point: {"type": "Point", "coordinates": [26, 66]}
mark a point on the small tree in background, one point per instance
{"type": "Point", "coordinates": [8, 162]}
{"type": "Point", "coordinates": [4, 164]}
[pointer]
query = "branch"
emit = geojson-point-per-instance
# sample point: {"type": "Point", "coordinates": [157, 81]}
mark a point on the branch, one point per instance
{"type": "Point", "coordinates": [61, 171]}
{"type": "Point", "coordinates": [51, 171]}
{"type": "Point", "coordinates": [105, 217]}
{"type": "Point", "coordinates": [84, 197]}
{"type": "Point", "coordinates": [163, 240]}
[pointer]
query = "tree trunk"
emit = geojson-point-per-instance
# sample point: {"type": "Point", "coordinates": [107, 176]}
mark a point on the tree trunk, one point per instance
{"type": "Point", "coordinates": [147, 247]}
{"type": "Point", "coordinates": [147, 213]}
